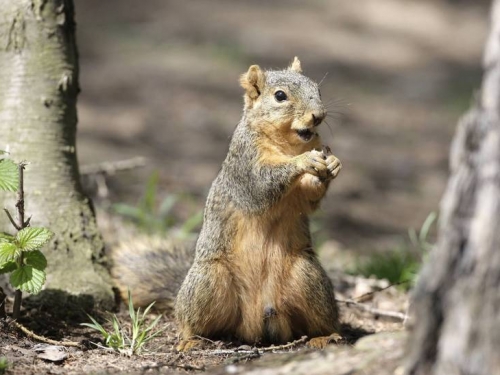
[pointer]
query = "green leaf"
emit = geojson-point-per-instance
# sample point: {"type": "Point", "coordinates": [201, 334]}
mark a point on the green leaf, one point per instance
{"type": "Point", "coordinates": [131, 310]}
{"type": "Point", "coordinates": [192, 223]}
{"type": "Point", "coordinates": [28, 279]}
{"type": "Point", "coordinates": [167, 205]}
{"type": "Point", "coordinates": [8, 252]}
{"type": "Point", "coordinates": [148, 201]}
{"type": "Point", "coordinates": [36, 260]}
{"type": "Point", "coordinates": [95, 325]}
{"type": "Point", "coordinates": [9, 175]}
{"type": "Point", "coordinates": [128, 211]}
{"type": "Point", "coordinates": [33, 238]}
{"type": "Point", "coordinates": [426, 226]}
{"type": "Point", "coordinates": [8, 267]}
{"type": "Point", "coordinates": [5, 237]}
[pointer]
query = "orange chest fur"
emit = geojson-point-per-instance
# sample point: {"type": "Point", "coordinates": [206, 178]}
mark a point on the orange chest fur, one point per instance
{"type": "Point", "coordinates": [265, 247]}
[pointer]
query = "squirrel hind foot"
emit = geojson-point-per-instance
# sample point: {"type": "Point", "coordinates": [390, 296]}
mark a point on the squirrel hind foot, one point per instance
{"type": "Point", "coordinates": [322, 341]}
{"type": "Point", "coordinates": [190, 344]}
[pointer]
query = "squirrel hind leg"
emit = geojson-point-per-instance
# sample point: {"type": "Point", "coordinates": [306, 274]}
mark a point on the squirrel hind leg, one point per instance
{"type": "Point", "coordinates": [207, 304]}
{"type": "Point", "coordinates": [314, 312]}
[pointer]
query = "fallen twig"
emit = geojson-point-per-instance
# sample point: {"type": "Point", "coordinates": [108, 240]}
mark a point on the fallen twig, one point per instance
{"type": "Point", "coordinates": [302, 340]}
{"type": "Point", "coordinates": [271, 348]}
{"type": "Point", "coordinates": [33, 335]}
{"type": "Point", "coordinates": [384, 313]}
{"type": "Point", "coordinates": [204, 339]}
{"type": "Point", "coordinates": [111, 167]}
{"type": "Point", "coordinates": [364, 296]}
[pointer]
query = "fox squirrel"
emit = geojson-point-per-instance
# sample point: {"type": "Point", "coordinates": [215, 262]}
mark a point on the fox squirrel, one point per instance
{"type": "Point", "coordinates": [255, 275]}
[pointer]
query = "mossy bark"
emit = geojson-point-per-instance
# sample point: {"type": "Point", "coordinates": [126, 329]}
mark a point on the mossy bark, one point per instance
{"type": "Point", "coordinates": [457, 297]}
{"type": "Point", "coordinates": [38, 91]}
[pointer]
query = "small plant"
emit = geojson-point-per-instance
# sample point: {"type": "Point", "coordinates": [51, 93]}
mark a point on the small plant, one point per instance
{"type": "Point", "coordinates": [400, 266]}
{"type": "Point", "coordinates": [20, 254]}
{"type": "Point", "coordinates": [420, 240]}
{"type": "Point", "coordinates": [152, 217]}
{"type": "Point", "coordinates": [128, 341]}
{"type": "Point", "coordinates": [4, 365]}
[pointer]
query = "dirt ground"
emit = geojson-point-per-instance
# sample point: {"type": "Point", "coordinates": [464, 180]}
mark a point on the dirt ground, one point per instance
{"type": "Point", "coordinates": [381, 312]}
{"type": "Point", "coordinates": [159, 80]}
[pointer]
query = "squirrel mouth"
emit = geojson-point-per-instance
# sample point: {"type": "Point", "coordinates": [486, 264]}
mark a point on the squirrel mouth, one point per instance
{"type": "Point", "coordinates": [305, 134]}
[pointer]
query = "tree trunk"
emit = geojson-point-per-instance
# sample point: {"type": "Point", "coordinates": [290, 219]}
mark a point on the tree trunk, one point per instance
{"type": "Point", "coordinates": [38, 90]}
{"type": "Point", "coordinates": [457, 297]}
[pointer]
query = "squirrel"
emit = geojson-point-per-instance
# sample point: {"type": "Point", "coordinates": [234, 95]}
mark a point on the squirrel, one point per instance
{"type": "Point", "coordinates": [255, 276]}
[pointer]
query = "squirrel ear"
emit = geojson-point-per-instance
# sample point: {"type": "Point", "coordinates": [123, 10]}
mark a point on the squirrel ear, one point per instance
{"type": "Point", "coordinates": [295, 65]}
{"type": "Point", "coordinates": [253, 82]}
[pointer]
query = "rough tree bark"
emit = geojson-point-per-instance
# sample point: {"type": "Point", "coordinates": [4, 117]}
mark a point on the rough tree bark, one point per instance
{"type": "Point", "coordinates": [457, 298]}
{"type": "Point", "coordinates": [38, 90]}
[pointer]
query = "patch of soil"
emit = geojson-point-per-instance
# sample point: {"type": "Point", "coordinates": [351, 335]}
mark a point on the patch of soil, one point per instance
{"type": "Point", "coordinates": [92, 356]}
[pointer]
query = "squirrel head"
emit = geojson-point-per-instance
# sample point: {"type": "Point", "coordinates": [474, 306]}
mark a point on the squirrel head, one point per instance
{"type": "Point", "coordinates": [283, 104]}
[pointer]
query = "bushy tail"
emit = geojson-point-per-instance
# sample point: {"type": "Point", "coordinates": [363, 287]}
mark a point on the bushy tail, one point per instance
{"type": "Point", "coordinates": [152, 268]}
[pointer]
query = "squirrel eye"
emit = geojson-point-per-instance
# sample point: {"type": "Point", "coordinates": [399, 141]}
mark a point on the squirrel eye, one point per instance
{"type": "Point", "coordinates": [280, 96]}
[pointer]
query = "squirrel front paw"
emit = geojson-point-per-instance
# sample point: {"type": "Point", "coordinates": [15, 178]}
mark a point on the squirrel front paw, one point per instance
{"type": "Point", "coordinates": [333, 163]}
{"type": "Point", "coordinates": [322, 164]}
{"type": "Point", "coordinates": [315, 163]}
{"type": "Point", "coordinates": [333, 166]}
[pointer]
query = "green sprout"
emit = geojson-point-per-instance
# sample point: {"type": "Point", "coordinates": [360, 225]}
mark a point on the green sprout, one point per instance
{"type": "Point", "coordinates": [132, 340]}
{"type": "Point", "coordinates": [152, 216]}
{"type": "Point", "coordinates": [20, 254]}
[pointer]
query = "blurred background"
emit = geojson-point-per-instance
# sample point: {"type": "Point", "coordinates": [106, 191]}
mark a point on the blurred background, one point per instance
{"type": "Point", "coordinates": [160, 79]}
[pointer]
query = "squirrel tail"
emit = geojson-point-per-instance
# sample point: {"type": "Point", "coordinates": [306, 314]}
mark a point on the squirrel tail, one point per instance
{"type": "Point", "coordinates": [152, 268]}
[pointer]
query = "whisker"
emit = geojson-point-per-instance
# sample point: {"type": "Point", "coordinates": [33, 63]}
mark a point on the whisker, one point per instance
{"type": "Point", "coordinates": [337, 109]}
{"type": "Point", "coordinates": [322, 79]}
{"type": "Point", "coordinates": [336, 117]}
{"type": "Point", "coordinates": [329, 127]}
{"type": "Point", "coordinates": [334, 107]}
{"type": "Point", "coordinates": [334, 114]}
{"type": "Point", "coordinates": [337, 102]}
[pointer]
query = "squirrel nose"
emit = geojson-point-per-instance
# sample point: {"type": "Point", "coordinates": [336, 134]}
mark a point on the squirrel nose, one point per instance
{"type": "Point", "coordinates": [318, 118]}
